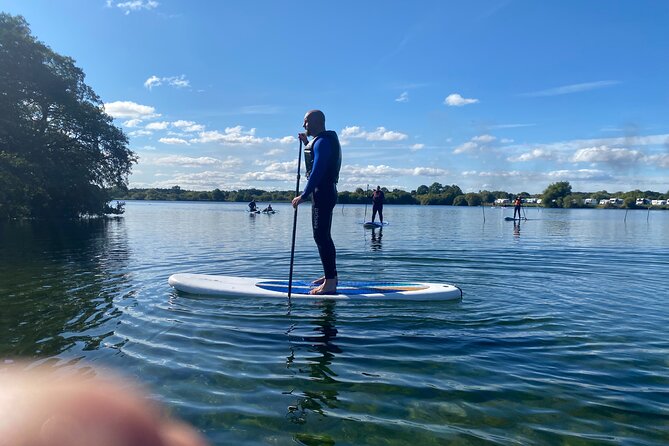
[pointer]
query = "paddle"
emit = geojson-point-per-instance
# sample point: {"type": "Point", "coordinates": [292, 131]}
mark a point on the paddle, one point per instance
{"type": "Point", "coordinates": [292, 246]}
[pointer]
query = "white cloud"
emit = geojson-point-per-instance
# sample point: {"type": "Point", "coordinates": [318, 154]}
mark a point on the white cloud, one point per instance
{"type": "Point", "coordinates": [140, 133]}
{"type": "Point", "coordinates": [484, 138]}
{"type": "Point", "coordinates": [232, 135]}
{"type": "Point", "coordinates": [427, 172]}
{"type": "Point", "coordinates": [532, 155]}
{"type": "Point", "coordinates": [355, 172]}
{"type": "Point", "coordinates": [129, 109]}
{"type": "Point", "coordinates": [207, 180]}
{"type": "Point", "coordinates": [174, 81]}
{"type": "Point", "coordinates": [188, 126]}
{"type": "Point", "coordinates": [620, 152]}
{"type": "Point", "coordinates": [416, 147]}
{"type": "Point", "coordinates": [404, 97]}
{"type": "Point", "coordinates": [188, 161]}
{"type": "Point", "coordinates": [661, 160]}
{"type": "Point", "coordinates": [274, 152]}
{"type": "Point", "coordinates": [135, 5]}
{"type": "Point", "coordinates": [173, 141]}
{"type": "Point", "coordinates": [178, 81]}
{"type": "Point", "coordinates": [466, 147]}
{"type": "Point", "coordinates": [157, 125]}
{"type": "Point", "coordinates": [573, 88]}
{"type": "Point", "coordinates": [495, 174]}
{"type": "Point", "coordinates": [185, 161]}
{"type": "Point", "coordinates": [380, 134]}
{"type": "Point", "coordinates": [580, 174]}
{"type": "Point", "coordinates": [132, 123]}
{"type": "Point", "coordinates": [266, 176]}
{"type": "Point", "coordinates": [152, 82]}
{"type": "Point", "coordinates": [238, 136]}
{"type": "Point", "coordinates": [605, 154]}
{"type": "Point", "coordinates": [455, 100]}
{"type": "Point", "coordinates": [284, 171]}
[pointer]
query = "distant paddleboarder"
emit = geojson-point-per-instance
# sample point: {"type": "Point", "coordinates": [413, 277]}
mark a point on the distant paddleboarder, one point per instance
{"type": "Point", "coordinates": [377, 203]}
{"type": "Point", "coordinates": [252, 205]}
{"type": "Point", "coordinates": [516, 207]}
{"type": "Point", "coordinates": [322, 157]}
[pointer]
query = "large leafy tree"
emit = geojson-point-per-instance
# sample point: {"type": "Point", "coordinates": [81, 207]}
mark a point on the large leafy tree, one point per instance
{"type": "Point", "coordinates": [555, 193]}
{"type": "Point", "coordinates": [59, 151]}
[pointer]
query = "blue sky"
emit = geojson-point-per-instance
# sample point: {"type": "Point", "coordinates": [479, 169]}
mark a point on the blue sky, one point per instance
{"type": "Point", "coordinates": [498, 95]}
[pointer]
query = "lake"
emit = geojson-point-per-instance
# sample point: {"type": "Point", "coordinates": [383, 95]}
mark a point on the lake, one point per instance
{"type": "Point", "coordinates": [561, 336]}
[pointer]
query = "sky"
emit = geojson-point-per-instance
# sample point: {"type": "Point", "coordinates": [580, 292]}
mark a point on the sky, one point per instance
{"type": "Point", "coordinates": [506, 95]}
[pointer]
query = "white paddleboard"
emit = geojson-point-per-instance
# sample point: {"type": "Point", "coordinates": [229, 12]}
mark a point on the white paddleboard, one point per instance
{"type": "Point", "coordinates": [252, 287]}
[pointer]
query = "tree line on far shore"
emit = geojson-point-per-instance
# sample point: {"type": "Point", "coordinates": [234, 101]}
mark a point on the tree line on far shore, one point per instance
{"type": "Point", "coordinates": [555, 195]}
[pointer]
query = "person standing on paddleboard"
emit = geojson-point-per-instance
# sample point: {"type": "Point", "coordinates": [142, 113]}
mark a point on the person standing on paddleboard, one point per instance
{"type": "Point", "coordinates": [377, 203]}
{"type": "Point", "coordinates": [516, 207]}
{"type": "Point", "coordinates": [322, 158]}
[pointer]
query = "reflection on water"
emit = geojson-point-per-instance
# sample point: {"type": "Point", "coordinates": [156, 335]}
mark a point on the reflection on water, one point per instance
{"type": "Point", "coordinates": [58, 282]}
{"type": "Point", "coordinates": [516, 229]}
{"type": "Point", "coordinates": [376, 238]}
{"type": "Point", "coordinates": [321, 350]}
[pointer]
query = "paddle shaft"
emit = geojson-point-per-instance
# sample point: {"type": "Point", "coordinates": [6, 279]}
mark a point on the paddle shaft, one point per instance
{"type": "Point", "coordinates": [292, 245]}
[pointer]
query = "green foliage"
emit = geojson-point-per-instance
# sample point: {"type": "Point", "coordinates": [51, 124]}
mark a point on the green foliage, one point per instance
{"type": "Point", "coordinates": [487, 196]}
{"type": "Point", "coordinates": [422, 190]}
{"type": "Point", "coordinates": [59, 152]}
{"type": "Point", "coordinates": [474, 199]}
{"type": "Point", "coordinates": [435, 188]}
{"type": "Point", "coordinates": [555, 193]}
{"type": "Point", "coordinates": [571, 201]}
{"type": "Point", "coordinates": [460, 200]}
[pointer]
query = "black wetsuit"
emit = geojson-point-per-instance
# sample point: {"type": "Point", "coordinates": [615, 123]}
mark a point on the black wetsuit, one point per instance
{"type": "Point", "coordinates": [516, 208]}
{"type": "Point", "coordinates": [377, 204]}
{"type": "Point", "coordinates": [323, 161]}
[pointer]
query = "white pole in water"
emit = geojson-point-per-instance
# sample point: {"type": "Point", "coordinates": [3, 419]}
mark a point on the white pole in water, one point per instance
{"type": "Point", "coordinates": [366, 193]}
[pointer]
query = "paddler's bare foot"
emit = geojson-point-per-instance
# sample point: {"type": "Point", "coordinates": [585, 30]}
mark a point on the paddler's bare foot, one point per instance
{"type": "Point", "coordinates": [319, 281]}
{"type": "Point", "coordinates": [329, 286]}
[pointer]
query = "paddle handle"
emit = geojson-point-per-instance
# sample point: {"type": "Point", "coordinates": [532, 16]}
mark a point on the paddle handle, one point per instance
{"type": "Point", "coordinates": [292, 245]}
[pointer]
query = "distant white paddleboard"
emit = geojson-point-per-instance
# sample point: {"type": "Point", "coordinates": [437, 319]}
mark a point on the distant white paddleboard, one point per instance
{"type": "Point", "coordinates": [252, 287]}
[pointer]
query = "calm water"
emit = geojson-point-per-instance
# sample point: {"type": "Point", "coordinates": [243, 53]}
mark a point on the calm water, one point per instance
{"type": "Point", "coordinates": [561, 338]}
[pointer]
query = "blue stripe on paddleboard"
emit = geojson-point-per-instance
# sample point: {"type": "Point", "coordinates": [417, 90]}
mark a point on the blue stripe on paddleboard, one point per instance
{"type": "Point", "coordinates": [348, 288]}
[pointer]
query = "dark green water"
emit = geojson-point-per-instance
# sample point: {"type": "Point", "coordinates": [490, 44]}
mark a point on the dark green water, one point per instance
{"type": "Point", "coordinates": [561, 337]}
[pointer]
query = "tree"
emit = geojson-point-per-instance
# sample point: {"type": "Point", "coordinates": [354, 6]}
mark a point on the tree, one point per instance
{"type": "Point", "coordinates": [60, 153]}
{"type": "Point", "coordinates": [422, 190]}
{"type": "Point", "coordinates": [473, 199]}
{"type": "Point", "coordinates": [487, 196]}
{"type": "Point", "coordinates": [555, 193]}
{"type": "Point", "coordinates": [460, 200]}
{"type": "Point", "coordinates": [435, 188]}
